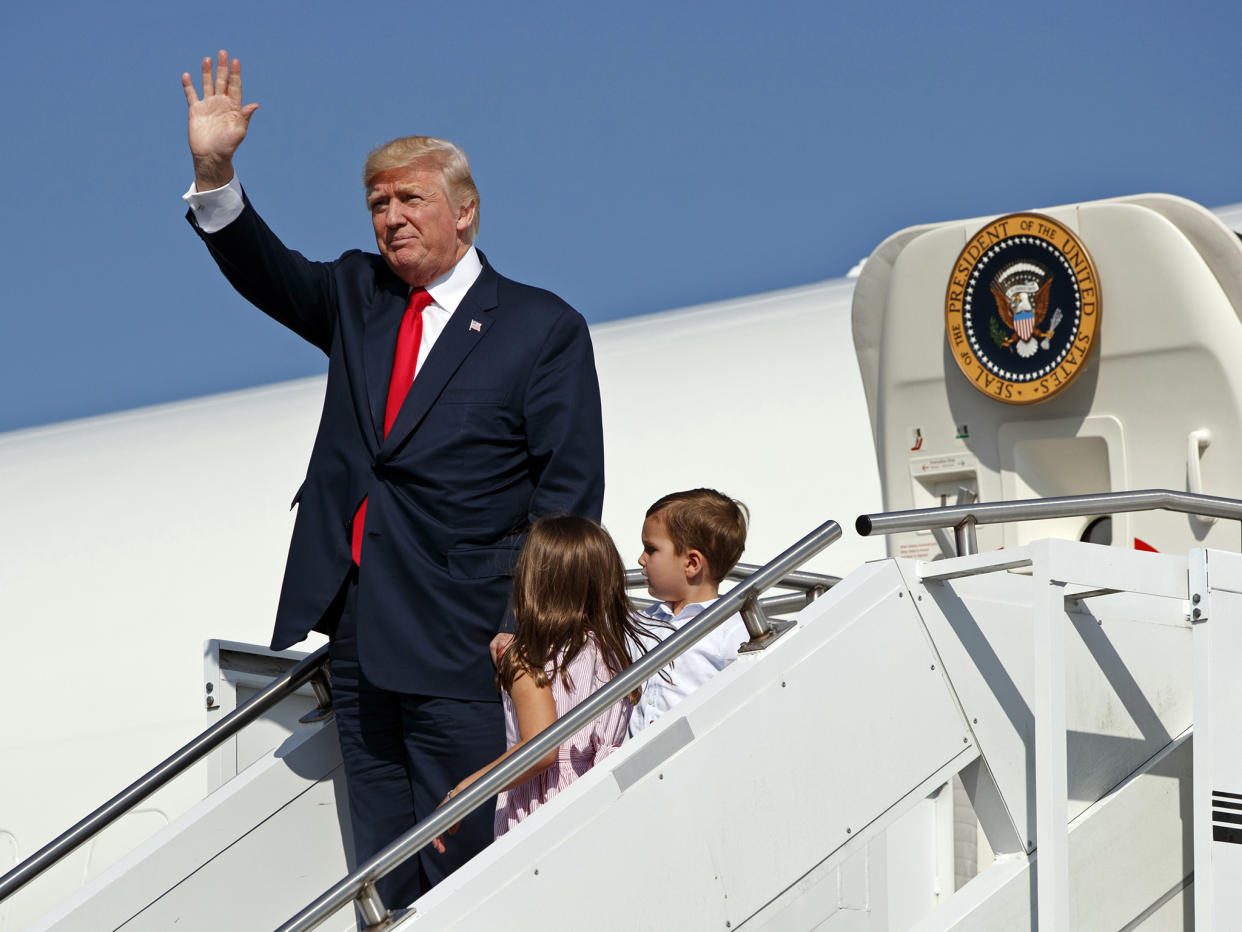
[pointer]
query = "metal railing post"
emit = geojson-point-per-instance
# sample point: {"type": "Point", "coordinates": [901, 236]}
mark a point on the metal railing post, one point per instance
{"type": "Point", "coordinates": [964, 536]}
{"type": "Point", "coordinates": [323, 697]}
{"type": "Point", "coordinates": [757, 624]}
{"type": "Point", "coordinates": [762, 629]}
{"type": "Point", "coordinates": [374, 913]}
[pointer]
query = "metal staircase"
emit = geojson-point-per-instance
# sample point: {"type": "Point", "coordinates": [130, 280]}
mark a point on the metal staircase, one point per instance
{"type": "Point", "coordinates": [1059, 683]}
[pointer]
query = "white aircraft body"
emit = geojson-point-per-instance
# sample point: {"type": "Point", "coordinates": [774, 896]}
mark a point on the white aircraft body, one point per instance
{"type": "Point", "coordinates": [140, 547]}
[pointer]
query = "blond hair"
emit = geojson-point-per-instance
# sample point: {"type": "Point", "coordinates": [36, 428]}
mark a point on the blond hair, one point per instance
{"type": "Point", "coordinates": [448, 157]}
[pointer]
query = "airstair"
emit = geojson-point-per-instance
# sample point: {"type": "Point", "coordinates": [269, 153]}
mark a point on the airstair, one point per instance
{"type": "Point", "coordinates": [810, 784]}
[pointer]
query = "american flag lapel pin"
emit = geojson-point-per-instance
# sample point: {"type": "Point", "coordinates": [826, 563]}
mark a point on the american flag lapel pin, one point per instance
{"type": "Point", "coordinates": [476, 326]}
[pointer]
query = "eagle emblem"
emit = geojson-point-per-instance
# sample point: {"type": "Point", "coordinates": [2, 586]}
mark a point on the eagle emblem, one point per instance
{"type": "Point", "coordinates": [1021, 290]}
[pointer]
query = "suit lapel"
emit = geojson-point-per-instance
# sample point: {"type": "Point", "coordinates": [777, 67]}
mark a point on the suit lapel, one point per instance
{"type": "Point", "coordinates": [463, 332]}
{"type": "Point", "coordinates": [379, 343]}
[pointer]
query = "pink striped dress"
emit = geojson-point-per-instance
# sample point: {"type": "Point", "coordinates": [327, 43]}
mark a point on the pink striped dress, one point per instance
{"type": "Point", "coordinates": [593, 742]}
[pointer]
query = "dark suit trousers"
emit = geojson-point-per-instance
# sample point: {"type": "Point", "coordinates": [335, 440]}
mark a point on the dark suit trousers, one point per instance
{"type": "Point", "coordinates": [402, 753]}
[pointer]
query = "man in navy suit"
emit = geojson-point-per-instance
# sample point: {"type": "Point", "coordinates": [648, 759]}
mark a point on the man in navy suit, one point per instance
{"type": "Point", "coordinates": [413, 509]}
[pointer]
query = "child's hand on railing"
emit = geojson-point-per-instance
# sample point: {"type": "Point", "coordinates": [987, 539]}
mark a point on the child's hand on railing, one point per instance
{"type": "Point", "coordinates": [438, 841]}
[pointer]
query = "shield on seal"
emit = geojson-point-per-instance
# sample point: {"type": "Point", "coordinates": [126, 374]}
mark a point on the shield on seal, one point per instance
{"type": "Point", "coordinates": [1024, 323]}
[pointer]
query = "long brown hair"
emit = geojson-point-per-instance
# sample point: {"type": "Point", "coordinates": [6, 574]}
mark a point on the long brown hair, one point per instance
{"type": "Point", "coordinates": [569, 584]}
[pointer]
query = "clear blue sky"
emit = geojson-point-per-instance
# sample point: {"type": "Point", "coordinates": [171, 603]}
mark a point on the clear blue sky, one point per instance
{"type": "Point", "coordinates": [633, 157]}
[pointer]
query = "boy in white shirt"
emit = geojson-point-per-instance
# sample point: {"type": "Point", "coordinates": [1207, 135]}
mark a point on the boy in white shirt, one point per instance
{"type": "Point", "coordinates": [690, 542]}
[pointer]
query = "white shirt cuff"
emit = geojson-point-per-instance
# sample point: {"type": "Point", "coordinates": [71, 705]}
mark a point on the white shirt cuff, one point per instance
{"type": "Point", "coordinates": [216, 209]}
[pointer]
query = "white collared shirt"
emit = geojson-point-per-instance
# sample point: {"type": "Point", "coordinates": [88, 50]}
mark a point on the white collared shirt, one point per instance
{"type": "Point", "coordinates": [693, 668]}
{"type": "Point", "coordinates": [216, 209]}
{"type": "Point", "coordinates": [446, 293]}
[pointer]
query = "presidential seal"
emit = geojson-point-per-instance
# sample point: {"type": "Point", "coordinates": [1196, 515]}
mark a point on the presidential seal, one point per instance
{"type": "Point", "coordinates": [1022, 311]}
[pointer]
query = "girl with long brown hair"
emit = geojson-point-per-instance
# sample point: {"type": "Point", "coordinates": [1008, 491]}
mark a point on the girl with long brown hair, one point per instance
{"type": "Point", "coordinates": [575, 630]}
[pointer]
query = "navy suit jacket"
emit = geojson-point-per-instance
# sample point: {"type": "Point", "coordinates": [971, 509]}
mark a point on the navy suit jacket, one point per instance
{"type": "Point", "coordinates": [501, 426]}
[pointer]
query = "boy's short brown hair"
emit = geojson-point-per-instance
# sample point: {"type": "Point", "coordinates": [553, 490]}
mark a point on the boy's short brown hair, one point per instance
{"type": "Point", "coordinates": [707, 521]}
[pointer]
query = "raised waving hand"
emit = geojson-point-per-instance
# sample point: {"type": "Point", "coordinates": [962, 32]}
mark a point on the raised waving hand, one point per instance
{"type": "Point", "coordinates": [218, 121]}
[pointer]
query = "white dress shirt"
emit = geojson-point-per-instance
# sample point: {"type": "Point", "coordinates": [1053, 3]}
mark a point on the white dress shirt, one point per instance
{"type": "Point", "coordinates": [216, 209]}
{"type": "Point", "coordinates": [692, 669]}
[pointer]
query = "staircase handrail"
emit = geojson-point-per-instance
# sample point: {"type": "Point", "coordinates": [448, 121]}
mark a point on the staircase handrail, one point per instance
{"type": "Point", "coordinates": [963, 518]}
{"type": "Point", "coordinates": [808, 586]}
{"type": "Point", "coordinates": [305, 670]}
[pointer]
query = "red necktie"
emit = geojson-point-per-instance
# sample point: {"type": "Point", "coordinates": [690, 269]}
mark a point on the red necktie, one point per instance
{"type": "Point", "coordinates": [404, 362]}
